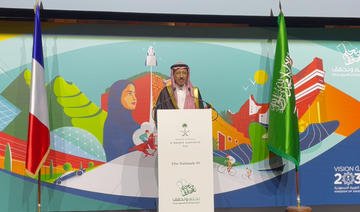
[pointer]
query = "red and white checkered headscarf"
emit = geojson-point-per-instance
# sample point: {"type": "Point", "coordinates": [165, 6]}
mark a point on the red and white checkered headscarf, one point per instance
{"type": "Point", "coordinates": [189, 99]}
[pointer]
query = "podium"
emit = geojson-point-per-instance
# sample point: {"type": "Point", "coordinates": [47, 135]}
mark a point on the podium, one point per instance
{"type": "Point", "coordinates": [185, 160]}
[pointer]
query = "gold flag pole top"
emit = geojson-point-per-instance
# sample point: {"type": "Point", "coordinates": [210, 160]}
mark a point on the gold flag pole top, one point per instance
{"type": "Point", "coordinates": [36, 4]}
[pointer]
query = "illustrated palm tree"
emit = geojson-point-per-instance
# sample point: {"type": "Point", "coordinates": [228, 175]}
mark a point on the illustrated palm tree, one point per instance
{"type": "Point", "coordinates": [185, 132]}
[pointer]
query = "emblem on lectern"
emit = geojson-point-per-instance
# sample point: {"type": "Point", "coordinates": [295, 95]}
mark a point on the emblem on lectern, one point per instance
{"type": "Point", "coordinates": [186, 188]}
{"type": "Point", "coordinates": [185, 131]}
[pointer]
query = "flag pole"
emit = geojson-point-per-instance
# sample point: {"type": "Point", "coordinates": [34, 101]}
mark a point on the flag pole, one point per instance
{"type": "Point", "coordinates": [297, 188]}
{"type": "Point", "coordinates": [39, 175]}
{"type": "Point", "coordinates": [282, 110]}
{"type": "Point", "coordinates": [39, 191]}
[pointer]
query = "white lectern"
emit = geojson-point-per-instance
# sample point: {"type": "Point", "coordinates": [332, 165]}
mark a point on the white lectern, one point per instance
{"type": "Point", "coordinates": [185, 161]}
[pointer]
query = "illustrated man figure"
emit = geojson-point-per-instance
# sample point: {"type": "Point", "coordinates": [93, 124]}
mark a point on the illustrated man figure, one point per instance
{"type": "Point", "coordinates": [181, 94]}
{"type": "Point", "coordinates": [230, 161]}
{"type": "Point", "coordinates": [145, 136]}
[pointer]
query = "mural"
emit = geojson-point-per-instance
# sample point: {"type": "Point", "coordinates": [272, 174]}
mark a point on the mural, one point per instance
{"type": "Point", "coordinates": [103, 138]}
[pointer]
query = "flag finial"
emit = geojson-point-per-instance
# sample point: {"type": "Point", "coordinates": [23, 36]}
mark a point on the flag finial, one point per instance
{"type": "Point", "coordinates": [40, 4]}
{"type": "Point", "coordinates": [36, 4]}
{"type": "Point", "coordinates": [280, 6]}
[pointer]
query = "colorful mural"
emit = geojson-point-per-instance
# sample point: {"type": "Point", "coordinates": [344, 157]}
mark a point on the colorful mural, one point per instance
{"type": "Point", "coordinates": [103, 137]}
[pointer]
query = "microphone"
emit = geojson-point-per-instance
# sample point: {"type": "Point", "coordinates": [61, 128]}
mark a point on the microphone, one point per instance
{"type": "Point", "coordinates": [208, 105]}
{"type": "Point", "coordinates": [168, 99]}
{"type": "Point", "coordinates": [169, 105]}
{"type": "Point", "coordinates": [160, 104]}
{"type": "Point", "coordinates": [163, 101]}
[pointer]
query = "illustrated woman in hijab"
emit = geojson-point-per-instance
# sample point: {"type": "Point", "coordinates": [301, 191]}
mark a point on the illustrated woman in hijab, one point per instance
{"type": "Point", "coordinates": [119, 125]}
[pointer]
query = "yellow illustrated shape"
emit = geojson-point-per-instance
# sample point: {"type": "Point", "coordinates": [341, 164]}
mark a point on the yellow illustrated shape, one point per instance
{"type": "Point", "coordinates": [261, 77]}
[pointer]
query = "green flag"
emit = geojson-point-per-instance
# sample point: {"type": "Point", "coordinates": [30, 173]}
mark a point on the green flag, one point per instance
{"type": "Point", "coordinates": [283, 124]}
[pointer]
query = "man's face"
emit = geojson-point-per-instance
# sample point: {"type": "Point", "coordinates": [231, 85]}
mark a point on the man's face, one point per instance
{"type": "Point", "coordinates": [180, 76]}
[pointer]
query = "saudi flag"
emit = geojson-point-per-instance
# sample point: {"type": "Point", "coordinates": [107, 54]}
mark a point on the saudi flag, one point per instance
{"type": "Point", "coordinates": [283, 124]}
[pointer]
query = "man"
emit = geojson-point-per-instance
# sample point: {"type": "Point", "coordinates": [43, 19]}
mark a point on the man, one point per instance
{"type": "Point", "coordinates": [145, 136]}
{"type": "Point", "coordinates": [229, 161]}
{"type": "Point", "coordinates": [180, 94]}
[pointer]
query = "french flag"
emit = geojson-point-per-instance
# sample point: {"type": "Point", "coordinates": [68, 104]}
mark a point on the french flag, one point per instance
{"type": "Point", "coordinates": [38, 146]}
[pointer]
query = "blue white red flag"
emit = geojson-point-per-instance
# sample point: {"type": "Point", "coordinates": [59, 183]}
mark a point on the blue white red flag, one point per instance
{"type": "Point", "coordinates": [38, 146]}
